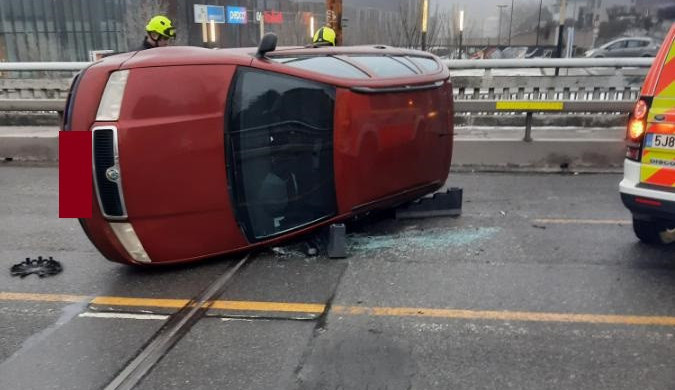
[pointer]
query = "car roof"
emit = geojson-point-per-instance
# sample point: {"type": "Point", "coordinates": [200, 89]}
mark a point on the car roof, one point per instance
{"type": "Point", "coordinates": [189, 55]}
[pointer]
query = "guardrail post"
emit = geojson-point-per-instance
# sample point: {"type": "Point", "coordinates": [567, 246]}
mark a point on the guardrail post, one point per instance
{"type": "Point", "coordinates": [528, 127]}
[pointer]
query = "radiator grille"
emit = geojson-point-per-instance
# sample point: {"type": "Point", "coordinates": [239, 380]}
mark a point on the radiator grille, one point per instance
{"type": "Point", "coordinates": [104, 158]}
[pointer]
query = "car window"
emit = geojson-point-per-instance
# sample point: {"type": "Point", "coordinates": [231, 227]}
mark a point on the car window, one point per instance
{"type": "Point", "coordinates": [325, 65]}
{"type": "Point", "coordinates": [617, 45]}
{"type": "Point", "coordinates": [427, 64]}
{"type": "Point", "coordinates": [384, 66]}
{"type": "Point", "coordinates": [637, 43]}
{"type": "Point", "coordinates": [407, 62]}
{"type": "Point", "coordinates": [280, 152]}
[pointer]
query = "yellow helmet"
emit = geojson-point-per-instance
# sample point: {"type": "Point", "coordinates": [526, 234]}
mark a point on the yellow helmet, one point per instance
{"type": "Point", "coordinates": [324, 36]}
{"type": "Point", "coordinates": [161, 25]}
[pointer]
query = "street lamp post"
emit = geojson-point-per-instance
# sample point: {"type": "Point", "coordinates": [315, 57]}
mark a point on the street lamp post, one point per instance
{"type": "Point", "coordinates": [461, 30]}
{"type": "Point", "coordinates": [425, 16]}
{"type": "Point", "coordinates": [538, 23]}
{"type": "Point", "coordinates": [510, 22]}
{"type": "Point", "coordinates": [499, 33]}
{"type": "Point", "coordinates": [561, 29]}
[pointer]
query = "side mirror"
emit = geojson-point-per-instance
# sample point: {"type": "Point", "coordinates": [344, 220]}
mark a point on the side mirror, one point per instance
{"type": "Point", "coordinates": [267, 43]}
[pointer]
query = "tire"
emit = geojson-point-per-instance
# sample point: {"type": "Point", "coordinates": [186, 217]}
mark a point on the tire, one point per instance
{"type": "Point", "coordinates": [648, 231]}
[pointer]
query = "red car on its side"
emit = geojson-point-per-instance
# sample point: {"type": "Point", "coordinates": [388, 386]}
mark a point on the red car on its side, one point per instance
{"type": "Point", "coordinates": [200, 152]}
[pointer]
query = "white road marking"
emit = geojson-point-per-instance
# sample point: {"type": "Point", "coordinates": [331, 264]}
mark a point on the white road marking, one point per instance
{"type": "Point", "coordinates": [584, 221]}
{"type": "Point", "coordinates": [125, 316]}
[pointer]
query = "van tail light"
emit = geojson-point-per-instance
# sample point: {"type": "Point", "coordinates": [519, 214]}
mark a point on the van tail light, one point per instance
{"type": "Point", "coordinates": [637, 126]}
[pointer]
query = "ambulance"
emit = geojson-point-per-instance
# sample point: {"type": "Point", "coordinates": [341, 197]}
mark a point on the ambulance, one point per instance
{"type": "Point", "coordinates": [648, 185]}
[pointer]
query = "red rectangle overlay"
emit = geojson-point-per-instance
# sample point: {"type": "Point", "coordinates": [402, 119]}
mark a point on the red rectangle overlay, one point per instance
{"type": "Point", "coordinates": [75, 174]}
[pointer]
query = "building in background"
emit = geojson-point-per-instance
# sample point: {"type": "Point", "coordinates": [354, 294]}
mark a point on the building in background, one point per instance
{"type": "Point", "coordinates": [70, 30]}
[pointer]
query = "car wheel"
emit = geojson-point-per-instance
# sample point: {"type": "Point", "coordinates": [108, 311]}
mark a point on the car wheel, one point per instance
{"type": "Point", "coordinates": [649, 231]}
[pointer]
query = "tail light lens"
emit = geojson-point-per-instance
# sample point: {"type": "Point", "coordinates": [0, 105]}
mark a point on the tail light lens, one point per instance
{"type": "Point", "coordinates": [637, 126]}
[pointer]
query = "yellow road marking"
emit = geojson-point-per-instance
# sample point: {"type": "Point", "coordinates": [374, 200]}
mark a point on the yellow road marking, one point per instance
{"type": "Point", "coordinates": [317, 308]}
{"type": "Point", "coordinates": [8, 296]}
{"type": "Point", "coordinates": [150, 302]}
{"type": "Point", "coordinates": [526, 105]}
{"type": "Point", "coordinates": [584, 221]}
{"type": "Point", "coordinates": [269, 306]}
{"type": "Point", "coordinates": [505, 315]}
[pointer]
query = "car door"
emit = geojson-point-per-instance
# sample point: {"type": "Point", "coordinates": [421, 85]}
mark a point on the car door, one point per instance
{"type": "Point", "coordinates": [635, 47]}
{"type": "Point", "coordinates": [617, 49]}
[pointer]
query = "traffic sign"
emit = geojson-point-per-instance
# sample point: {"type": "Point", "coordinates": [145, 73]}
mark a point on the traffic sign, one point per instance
{"type": "Point", "coordinates": [209, 13]}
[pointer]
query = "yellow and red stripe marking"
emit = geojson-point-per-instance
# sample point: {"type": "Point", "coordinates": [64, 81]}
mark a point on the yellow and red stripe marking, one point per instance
{"type": "Point", "coordinates": [658, 165]}
{"type": "Point", "coordinates": [319, 308]}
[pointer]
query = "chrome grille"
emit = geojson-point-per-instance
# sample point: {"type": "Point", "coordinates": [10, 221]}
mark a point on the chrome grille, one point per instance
{"type": "Point", "coordinates": [108, 192]}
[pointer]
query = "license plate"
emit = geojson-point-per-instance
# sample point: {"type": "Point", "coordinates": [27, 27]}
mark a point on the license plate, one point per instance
{"type": "Point", "coordinates": [661, 141]}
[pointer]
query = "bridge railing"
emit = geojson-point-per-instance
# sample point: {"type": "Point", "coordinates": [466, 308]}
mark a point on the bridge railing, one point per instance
{"type": "Point", "coordinates": [594, 87]}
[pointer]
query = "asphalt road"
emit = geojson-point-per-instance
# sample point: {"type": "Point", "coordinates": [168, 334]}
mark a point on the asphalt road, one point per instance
{"type": "Point", "coordinates": [540, 284]}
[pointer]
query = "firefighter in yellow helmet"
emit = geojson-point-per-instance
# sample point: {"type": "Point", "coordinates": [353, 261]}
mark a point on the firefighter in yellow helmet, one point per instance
{"type": "Point", "coordinates": [158, 32]}
{"type": "Point", "coordinates": [325, 36]}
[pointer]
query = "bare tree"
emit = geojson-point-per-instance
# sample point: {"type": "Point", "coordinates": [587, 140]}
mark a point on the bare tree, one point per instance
{"type": "Point", "coordinates": [409, 21]}
{"type": "Point", "coordinates": [526, 15]}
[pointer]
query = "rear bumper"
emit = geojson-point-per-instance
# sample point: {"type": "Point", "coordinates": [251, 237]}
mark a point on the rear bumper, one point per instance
{"type": "Point", "coordinates": [644, 202]}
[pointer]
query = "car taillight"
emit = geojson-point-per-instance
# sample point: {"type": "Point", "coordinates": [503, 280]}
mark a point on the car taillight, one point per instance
{"type": "Point", "coordinates": [637, 125]}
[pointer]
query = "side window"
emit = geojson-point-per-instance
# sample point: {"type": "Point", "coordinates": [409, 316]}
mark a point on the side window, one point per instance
{"type": "Point", "coordinates": [280, 152]}
{"type": "Point", "coordinates": [427, 64]}
{"type": "Point", "coordinates": [637, 43]}
{"type": "Point", "coordinates": [617, 46]}
{"type": "Point", "coordinates": [383, 66]}
{"type": "Point", "coordinates": [325, 65]}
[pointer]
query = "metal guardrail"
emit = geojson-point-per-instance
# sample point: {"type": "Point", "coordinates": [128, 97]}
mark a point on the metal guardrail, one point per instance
{"type": "Point", "coordinates": [550, 63]}
{"type": "Point", "coordinates": [40, 66]}
{"type": "Point", "coordinates": [494, 95]}
{"type": "Point", "coordinates": [529, 107]}
{"type": "Point", "coordinates": [452, 64]}
{"type": "Point", "coordinates": [32, 105]}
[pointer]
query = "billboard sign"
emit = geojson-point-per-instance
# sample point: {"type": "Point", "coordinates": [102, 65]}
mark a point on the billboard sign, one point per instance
{"type": "Point", "coordinates": [272, 17]}
{"type": "Point", "coordinates": [237, 15]}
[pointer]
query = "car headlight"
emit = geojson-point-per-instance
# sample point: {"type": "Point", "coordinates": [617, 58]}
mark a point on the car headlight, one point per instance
{"type": "Point", "coordinates": [111, 101]}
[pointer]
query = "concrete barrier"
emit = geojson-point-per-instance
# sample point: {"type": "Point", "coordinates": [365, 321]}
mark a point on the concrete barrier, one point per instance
{"type": "Point", "coordinates": [480, 153]}
{"type": "Point", "coordinates": [548, 154]}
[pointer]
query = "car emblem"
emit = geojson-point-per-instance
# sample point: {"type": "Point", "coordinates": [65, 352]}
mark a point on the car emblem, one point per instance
{"type": "Point", "coordinates": [112, 174]}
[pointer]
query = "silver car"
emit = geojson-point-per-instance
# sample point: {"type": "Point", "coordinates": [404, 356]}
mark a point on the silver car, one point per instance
{"type": "Point", "coordinates": [627, 47]}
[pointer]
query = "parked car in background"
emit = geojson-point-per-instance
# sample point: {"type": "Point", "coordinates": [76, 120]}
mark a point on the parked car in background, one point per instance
{"type": "Point", "coordinates": [648, 185]}
{"type": "Point", "coordinates": [626, 47]}
{"type": "Point", "coordinates": [198, 152]}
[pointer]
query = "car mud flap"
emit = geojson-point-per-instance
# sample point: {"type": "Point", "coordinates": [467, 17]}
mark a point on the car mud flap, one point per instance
{"type": "Point", "coordinates": [441, 204]}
